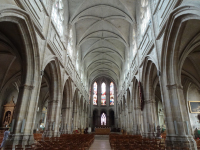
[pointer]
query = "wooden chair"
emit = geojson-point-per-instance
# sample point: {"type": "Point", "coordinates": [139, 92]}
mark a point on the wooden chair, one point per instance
{"type": "Point", "coordinates": [8, 147]}
{"type": "Point", "coordinates": [41, 148]}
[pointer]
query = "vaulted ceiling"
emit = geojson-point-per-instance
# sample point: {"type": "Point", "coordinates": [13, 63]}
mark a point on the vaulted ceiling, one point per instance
{"type": "Point", "coordinates": [102, 31]}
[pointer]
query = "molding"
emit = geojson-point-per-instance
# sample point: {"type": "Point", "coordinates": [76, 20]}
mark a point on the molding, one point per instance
{"type": "Point", "coordinates": [28, 87]}
{"type": "Point", "coordinates": [174, 86]}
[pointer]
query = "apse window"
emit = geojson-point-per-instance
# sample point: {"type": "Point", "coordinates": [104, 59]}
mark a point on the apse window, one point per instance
{"type": "Point", "coordinates": [103, 94]}
{"type": "Point", "coordinates": [57, 16]}
{"type": "Point", "coordinates": [103, 119]}
{"type": "Point", "coordinates": [95, 93]}
{"type": "Point", "coordinates": [111, 93]}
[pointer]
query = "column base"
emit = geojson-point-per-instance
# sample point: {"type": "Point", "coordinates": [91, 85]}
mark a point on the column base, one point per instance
{"type": "Point", "coordinates": [19, 139]}
{"type": "Point", "coordinates": [181, 142]}
{"type": "Point", "coordinates": [51, 134]}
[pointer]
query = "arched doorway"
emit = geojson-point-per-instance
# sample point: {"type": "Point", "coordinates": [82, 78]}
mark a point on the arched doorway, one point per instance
{"type": "Point", "coordinates": [95, 118]}
{"type": "Point", "coordinates": [111, 119]}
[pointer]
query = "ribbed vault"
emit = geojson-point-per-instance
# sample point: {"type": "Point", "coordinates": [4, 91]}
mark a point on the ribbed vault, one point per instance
{"type": "Point", "coordinates": [102, 29]}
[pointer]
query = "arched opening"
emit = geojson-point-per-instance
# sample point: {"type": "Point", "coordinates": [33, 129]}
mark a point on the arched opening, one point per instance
{"type": "Point", "coordinates": [189, 71]}
{"type": "Point", "coordinates": [152, 96]}
{"type": "Point", "coordinates": [66, 111]}
{"type": "Point", "coordinates": [180, 57]}
{"type": "Point", "coordinates": [103, 119]}
{"type": "Point", "coordinates": [17, 74]}
{"type": "Point", "coordinates": [48, 98]}
{"type": "Point", "coordinates": [95, 118]}
{"type": "Point", "coordinates": [10, 66]}
{"type": "Point", "coordinates": [111, 119]}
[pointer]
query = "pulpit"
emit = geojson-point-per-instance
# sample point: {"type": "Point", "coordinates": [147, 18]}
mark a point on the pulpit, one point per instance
{"type": "Point", "coordinates": [8, 113]}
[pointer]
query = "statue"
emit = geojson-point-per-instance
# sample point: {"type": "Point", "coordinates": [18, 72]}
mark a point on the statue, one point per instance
{"type": "Point", "coordinates": [7, 119]}
{"type": "Point", "coordinates": [8, 113]}
{"type": "Point", "coordinates": [158, 135]}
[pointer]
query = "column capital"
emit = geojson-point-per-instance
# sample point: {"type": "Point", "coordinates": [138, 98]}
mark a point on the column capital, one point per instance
{"type": "Point", "coordinates": [174, 86]}
{"type": "Point", "coordinates": [149, 101]}
{"type": "Point", "coordinates": [137, 108]}
{"type": "Point", "coordinates": [28, 87]}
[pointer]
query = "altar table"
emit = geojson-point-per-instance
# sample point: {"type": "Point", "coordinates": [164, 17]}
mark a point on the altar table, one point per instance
{"type": "Point", "coordinates": [102, 131]}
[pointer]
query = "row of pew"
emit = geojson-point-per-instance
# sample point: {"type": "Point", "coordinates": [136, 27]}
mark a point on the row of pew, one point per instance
{"type": "Point", "coordinates": [64, 142]}
{"type": "Point", "coordinates": [136, 142]}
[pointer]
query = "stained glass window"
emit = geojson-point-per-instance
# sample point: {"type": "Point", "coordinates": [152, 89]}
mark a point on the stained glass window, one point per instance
{"type": "Point", "coordinates": [57, 15]}
{"type": "Point", "coordinates": [111, 93]}
{"type": "Point", "coordinates": [103, 119]}
{"type": "Point", "coordinates": [103, 94]}
{"type": "Point", "coordinates": [95, 94]}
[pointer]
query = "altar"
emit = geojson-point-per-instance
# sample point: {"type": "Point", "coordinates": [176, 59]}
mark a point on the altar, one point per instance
{"type": "Point", "coordinates": [102, 131]}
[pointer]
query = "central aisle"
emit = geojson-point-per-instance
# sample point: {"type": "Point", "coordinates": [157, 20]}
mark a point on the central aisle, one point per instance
{"type": "Point", "coordinates": [101, 142]}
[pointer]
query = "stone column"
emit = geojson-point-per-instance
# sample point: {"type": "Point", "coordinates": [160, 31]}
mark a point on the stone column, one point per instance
{"type": "Point", "coordinates": [84, 126]}
{"type": "Point", "coordinates": [177, 119]}
{"type": "Point", "coordinates": [145, 122]}
{"type": "Point", "coordinates": [127, 121]}
{"type": "Point", "coordinates": [87, 120]}
{"type": "Point", "coordinates": [52, 129]}
{"type": "Point", "coordinates": [149, 118]}
{"type": "Point", "coordinates": [123, 116]}
{"type": "Point", "coordinates": [129, 130]}
{"type": "Point", "coordinates": [122, 119]}
{"type": "Point", "coordinates": [82, 119]}
{"type": "Point", "coordinates": [75, 120]}
{"type": "Point", "coordinates": [65, 120]}
{"type": "Point", "coordinates": [107, 118]}
{"type": "Point", "coordinates": [137, 123]}
{"type": "Point", "coordinates": [155, 116]}
{"type": "Point", "coordinates": [69, 120]}
{"type": "Point", "coordinates": [134, 125]}
{"type": "Point", "coordinates": [120, 125]}
{"type": "Point", "coordinates": [24, 116]}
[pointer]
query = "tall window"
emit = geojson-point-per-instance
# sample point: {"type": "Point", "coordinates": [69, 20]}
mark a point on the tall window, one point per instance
{"type": "Point", "coordinates": [103, 119]}
{"type": "Point", "coordinates": [111, 93]}
{"type": "Point", "coordinates": [70, 42]}
{"type": "Point", "coordinates": [103, 94]}
{"type": "Point", "coordinates": [144, 15]}
{"type": "Point", "coordinates": [57, 15]}
{"type": "Point", "coordinates": [95, 94]}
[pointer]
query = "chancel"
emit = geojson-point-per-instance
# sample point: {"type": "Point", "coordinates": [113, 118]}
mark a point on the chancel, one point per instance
{"type": "Point", "coordinates": [82, 74]}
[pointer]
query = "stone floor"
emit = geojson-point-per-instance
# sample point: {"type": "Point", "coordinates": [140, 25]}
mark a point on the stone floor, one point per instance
{"type": "Point", "coordinates": [101, 142]}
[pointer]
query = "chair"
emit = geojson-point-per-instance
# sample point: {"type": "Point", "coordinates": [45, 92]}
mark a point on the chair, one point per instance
{"type": "Point", "coordinates": [8, 147]}
{"type": "Point", "coordinates": [29, 147]}
{"type": "Point", "coordinates": [41, 148]}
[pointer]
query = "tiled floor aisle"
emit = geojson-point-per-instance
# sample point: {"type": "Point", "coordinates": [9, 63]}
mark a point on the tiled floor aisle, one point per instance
{"type": "Point", "coordinates": [100, 143]}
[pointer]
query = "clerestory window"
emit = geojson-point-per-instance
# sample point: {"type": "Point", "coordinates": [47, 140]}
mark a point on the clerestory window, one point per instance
{"type": "Point", "coordinates": [57, 15]}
